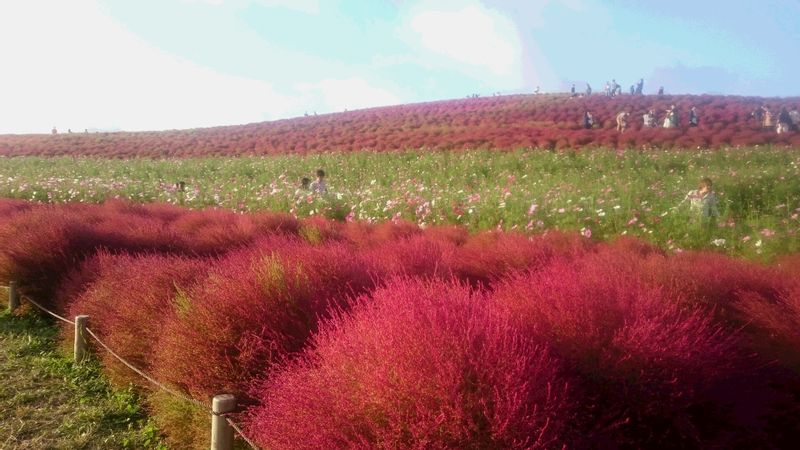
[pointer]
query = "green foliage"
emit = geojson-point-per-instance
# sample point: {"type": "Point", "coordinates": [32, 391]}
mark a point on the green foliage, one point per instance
{"type": "Point", "coordinates": [605, 193]}
{"type": "Point", "coordinates": [50, 402]}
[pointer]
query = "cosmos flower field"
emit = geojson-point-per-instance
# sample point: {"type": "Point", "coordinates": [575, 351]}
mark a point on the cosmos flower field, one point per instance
{"type": "Point", "coordinates": [541, 297]}
{"type": "Point", "coordinates": [601, 194]}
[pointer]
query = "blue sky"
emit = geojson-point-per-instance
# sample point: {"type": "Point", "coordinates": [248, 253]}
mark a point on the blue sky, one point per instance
{"type": "Point", "coordinates": [162, 64]}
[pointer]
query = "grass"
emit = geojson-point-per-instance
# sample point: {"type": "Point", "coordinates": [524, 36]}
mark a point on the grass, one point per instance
{"type": "Point", "coordinates": [51, 403]}
{"type": "Point", "coordinates": [601, 193]}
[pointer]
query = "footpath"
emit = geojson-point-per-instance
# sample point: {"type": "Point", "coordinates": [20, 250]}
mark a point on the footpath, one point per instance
{"type": "Point", "coordinates": [51, 403]}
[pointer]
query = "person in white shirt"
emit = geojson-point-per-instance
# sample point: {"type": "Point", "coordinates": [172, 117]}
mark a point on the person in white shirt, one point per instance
{"type": "Point", "coordinates": [649, 119]}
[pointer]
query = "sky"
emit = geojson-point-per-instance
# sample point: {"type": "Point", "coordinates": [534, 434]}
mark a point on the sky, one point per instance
{"type": "Point", "coordinates": [172, 64]}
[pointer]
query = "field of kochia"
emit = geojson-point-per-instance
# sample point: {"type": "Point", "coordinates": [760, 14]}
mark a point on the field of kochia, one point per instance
{"type": "Point", "coordinates": [501, 279]}
{"type": "Point", "coordinates": [515, 121]}
{"type": "Point", "coordinates": [352, 335]}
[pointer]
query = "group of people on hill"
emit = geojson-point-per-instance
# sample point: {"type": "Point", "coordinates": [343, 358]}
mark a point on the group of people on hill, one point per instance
{"type": "Point", "coordinates": [612, 89]}
{"type": "Point", "coordinates": [784, 122]}
{"type": "Point", "coordinates": [649, 119]}
{"type": "Point", "coordinates": [69, 130]}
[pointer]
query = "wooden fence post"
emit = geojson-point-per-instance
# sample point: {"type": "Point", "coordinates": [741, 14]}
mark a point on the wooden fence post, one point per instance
{"type": "Point", "coordinates": [80, 338]}
{"type": "Point", "coordinates": [13, 296]}
{"type": "Point", "coordinates": [221, 431]}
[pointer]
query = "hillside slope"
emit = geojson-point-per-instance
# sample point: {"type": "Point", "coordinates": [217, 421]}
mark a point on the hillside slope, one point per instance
{"type": "Point", "coordinates": [545, 121]}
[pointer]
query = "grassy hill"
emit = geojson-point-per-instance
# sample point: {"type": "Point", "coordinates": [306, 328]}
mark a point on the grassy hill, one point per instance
{"type": "Point", "coordinates": [503, 122]}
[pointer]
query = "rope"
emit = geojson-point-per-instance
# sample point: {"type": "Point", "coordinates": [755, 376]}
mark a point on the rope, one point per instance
{"type": "Point", "coordinates": [141, 373]}
{"type": "Point", "coordinates": [30, 300]}
{"type": "Point", "coordinates": [145, 376]}
{"type": "Point", "coordinates": [168, 390]}
{"type": "Point", "coordinates": [242, 435]}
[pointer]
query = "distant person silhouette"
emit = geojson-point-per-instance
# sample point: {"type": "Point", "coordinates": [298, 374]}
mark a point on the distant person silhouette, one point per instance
{"type": "Point", "coordinates": [694, 120]}
{"type": "Point", "coordinates": [588, 120]}
{"type": "Point", "coordinates": [649, 119]}
{"type": "Point", "coordinates": [622, 121]}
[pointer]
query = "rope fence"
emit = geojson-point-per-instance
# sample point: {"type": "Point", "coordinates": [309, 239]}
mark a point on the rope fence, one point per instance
{"type": "Point", "coordinates": [31, 301]}
{"type": "Point", "coordinates": [144, 375]}
{"type": "Point", "coordinates": [239, 430]}
{"type": "Point", "coordinates": [222, 425]}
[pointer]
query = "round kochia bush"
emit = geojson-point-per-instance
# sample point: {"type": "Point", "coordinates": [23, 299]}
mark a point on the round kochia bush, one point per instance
{"type": "Point", "coordinates": [644, 361]}
{"type": "Point", "coordinates": [128, 300]}
{"type": "Point", "coordinates": [417, 365]}
{"type": "Point", "coordinates": [256, 306]}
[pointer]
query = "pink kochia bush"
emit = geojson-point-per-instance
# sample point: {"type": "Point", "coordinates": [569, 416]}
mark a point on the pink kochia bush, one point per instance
{"type": "Point", "coordinates": [490, 256]}
{"type": "Point", "coordinates": [417, 365]}
{"type": "Point", "coordinates": [342, 335]}
{"type": "Point", "coordinates": [43, 243]}
{"type": "Point", "coordinates": [129, 299]}
{"type": "Point", "coordinates": [643, 359]}
{"type": "Point", "coordinates": [256, 306]}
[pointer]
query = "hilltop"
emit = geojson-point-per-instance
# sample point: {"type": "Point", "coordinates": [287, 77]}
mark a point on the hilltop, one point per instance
{"type": "Point", "coordinates": [498, 122]}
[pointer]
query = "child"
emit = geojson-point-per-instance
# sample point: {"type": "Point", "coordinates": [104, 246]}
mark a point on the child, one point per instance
{"type": "Point", "coordinates": [304, 188]}
{"type": "Point", "coordinates": [319, 186]}
{"type": "Point", "coordinates": [703, 201]}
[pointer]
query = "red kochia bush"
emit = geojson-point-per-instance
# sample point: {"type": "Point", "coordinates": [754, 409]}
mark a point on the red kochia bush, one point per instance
{"type": "Point", "coordinates": [775, 323]}
{"type": "Point", "coordinates": [42, 244]}
{"type": "Point", "coordinates": [256, 306]}
{"type": "Point", "coordinates": [417, 256]}
{"type": "Point", "coordinates": [489, 256]}
{"type": "Point", "coordinates": [9, 207]}
{"type": "Point", "coordinates": [642, 358]}
{"type": "Point", "coordinates": [714, 280]}
{"type": "Point", "coordinates": [129, 300]}
{"type": "Point", "coordinates": [418, 365]}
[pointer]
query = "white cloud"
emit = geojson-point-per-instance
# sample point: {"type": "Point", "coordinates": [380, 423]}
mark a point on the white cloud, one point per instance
{"type": "Point", "coordinates": [306, 6]}
{"type": "Point", "coordinates": [74, 67]}
{"type": "Point", "coordinates": [468, 34]}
